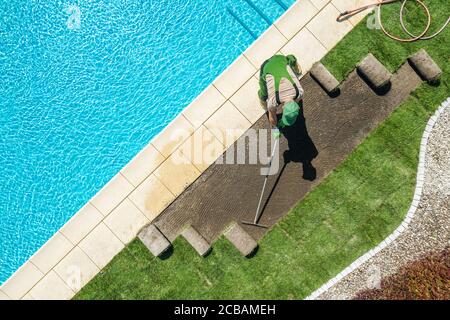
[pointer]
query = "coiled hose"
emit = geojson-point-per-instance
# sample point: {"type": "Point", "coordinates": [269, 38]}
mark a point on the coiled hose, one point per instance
{"type": "Point", "coordinates": [421, 36]}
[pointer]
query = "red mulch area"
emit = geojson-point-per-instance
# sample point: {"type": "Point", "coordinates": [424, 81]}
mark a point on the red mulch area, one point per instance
{"type": "Point", "coordinates": [424, 279]}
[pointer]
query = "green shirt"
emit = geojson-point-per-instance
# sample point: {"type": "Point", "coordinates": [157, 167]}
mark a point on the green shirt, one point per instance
{"type": "Point", "coordinates": [275, 66]}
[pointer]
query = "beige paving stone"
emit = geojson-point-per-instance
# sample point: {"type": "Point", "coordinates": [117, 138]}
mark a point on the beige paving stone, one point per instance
{"type": "Point", "coordinates": [256, 75]}
{"type": "Point", "coordinates": [325, 27]}
{"type": "Point", "coordinates": [81, 223]}
{"type": "Point", "coordinates": [296, 18]}
{"type": "Point", "coordinates": [234, 76]}
{"type": "Point", "coordinates": [117, 189]}
{"type": "Point", "coordinates": [227, 124]}
{"type": "Point", "coordinates": [22, 281]}
{"type": "Point", "coordinates": [306, 48]}
{"type": "Point", "coordinates": [247, 101]}
{"type": "Point", "coordinates": [177, 173]}
{"type": "Point", "coordinates": [344, 5]}
{"type": "Point", "coordinates": [204, 106]}
{"type": "Point", "coordinates": [151, 197]}
{"type": "Point", "coordinates": [265, 46]}
{"type": "Point", "coordinates": [202, 149]}
{"type": "Point", "coordinates": [76, 269]}
{"type": "Point", "coordinates": [126, 221]}
{"type": "Point", "coordinates": [144, 163]}
{"type": "Point", "coordinates": [27, 297]}
{"type": "Point", "coordinates": [101, 245]}
{"type": "Point", "coordinates": [3, 296]}
{"type": "Point", "coordinates": [51, 252]}
{"type": "Point", "coordinates": [319, 4]}
{"type": "Point", "coordinates": [51, 287]}
{"type": "Point", "coordinates": [173, 135]}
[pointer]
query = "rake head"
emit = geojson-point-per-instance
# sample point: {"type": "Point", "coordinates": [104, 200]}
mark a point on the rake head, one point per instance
{"type": "Point", "coordinates": [255, 224]}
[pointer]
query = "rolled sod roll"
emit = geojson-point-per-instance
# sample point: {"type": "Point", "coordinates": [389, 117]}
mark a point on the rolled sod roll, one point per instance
{"type": "Point", "coordinates": [241, 239]}
{"type": "Point", "coordinates": [425, 66]}
{"type": "Point", "coordinates": [154, 240]}
{"type": "Point", "coordinates": [196, 240]}
{"type": "Point", "coordinates": [374, 71]}
{"type": "Point", "coordinates": [324, 77]}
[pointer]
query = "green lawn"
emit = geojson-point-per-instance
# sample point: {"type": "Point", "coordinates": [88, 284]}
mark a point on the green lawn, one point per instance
{"type": "Point", "coordinates": [351, 211]}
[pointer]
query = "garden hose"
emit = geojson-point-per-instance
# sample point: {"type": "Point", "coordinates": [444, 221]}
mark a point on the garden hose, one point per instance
{"type": "Point", "coordinates": [413, 37]}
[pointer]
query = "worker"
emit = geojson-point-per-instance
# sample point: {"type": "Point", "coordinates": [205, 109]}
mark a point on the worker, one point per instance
{"type": "Point", "coordinates": [280, 90]}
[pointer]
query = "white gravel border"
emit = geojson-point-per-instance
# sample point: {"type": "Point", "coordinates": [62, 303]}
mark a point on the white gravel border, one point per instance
{"type": "Point", "coordinates": [404, 225]}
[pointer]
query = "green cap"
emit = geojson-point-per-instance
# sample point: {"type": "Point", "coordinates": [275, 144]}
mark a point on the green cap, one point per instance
{"type": "Point", "coordinates": [291, 111]}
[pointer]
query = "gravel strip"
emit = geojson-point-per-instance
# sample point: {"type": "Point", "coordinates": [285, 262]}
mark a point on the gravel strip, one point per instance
{"type": "Point", "coordinates": [429, 229]}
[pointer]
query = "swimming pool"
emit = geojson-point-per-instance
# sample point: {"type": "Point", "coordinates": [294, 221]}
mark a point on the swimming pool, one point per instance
{"type": "Point", "coordinates": [85, 85]}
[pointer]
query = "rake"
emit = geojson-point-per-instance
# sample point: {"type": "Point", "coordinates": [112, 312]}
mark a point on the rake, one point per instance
{"type": "Point", "coordinates": [258, 212]}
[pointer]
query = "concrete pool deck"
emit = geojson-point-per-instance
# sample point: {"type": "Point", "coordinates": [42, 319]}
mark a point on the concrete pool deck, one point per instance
{"type": "Point", "coordinates": [151, 181]}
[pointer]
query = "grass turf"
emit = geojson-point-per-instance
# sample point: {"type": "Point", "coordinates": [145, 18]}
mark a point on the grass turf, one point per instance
{"type": "Point", "coordinates": [351, 211]}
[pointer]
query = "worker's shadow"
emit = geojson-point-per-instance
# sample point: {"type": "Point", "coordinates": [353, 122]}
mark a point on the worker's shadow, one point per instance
{"type": "Point", "coordinates": [301, 148]}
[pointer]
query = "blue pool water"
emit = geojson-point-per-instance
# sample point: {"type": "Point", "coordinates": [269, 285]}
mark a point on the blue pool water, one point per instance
{"type": "Point", "coordinates": [84, 85]}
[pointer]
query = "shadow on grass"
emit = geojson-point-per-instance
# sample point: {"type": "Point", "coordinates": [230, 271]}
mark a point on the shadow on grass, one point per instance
{"type": "Point", "coordinates": [166, 254]}
{"type": "Point", "coordinates": [380, 91]}
{"type": "Point", "coordinates": [253, 253]}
